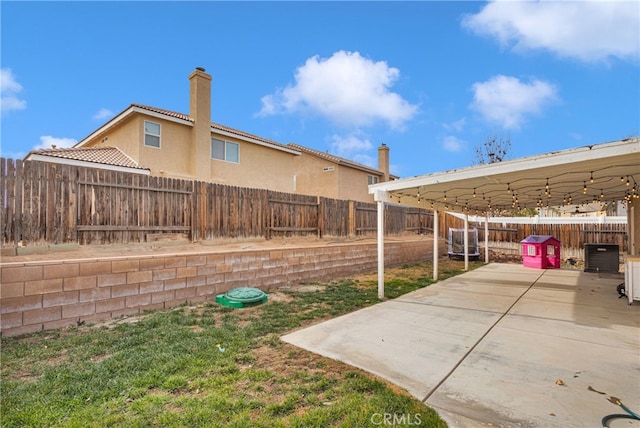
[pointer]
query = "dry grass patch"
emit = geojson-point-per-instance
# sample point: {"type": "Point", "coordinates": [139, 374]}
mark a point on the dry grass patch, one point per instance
{"type": "Point", "coordinates": [206, 365]}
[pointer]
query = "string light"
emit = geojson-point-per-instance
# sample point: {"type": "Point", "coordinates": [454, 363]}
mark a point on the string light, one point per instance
{"type": "Point", "coordinates": [463, 202]}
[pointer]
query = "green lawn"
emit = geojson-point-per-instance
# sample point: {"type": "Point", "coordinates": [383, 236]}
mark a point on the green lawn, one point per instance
{"type": "Point", "coordinates": [206, 365]}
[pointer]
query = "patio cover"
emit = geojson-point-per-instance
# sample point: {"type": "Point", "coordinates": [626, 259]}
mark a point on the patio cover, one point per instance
{"type": "Point", "coordinates": [604, 173]}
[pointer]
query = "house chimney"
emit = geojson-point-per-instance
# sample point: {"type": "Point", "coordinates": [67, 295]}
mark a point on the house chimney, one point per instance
{"type": "Point", "coordinates": [383, 161]}
{"type": "Point", "coordinates": [200, 112]}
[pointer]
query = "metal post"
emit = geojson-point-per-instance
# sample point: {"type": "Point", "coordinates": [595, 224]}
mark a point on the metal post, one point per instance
{"type": "Point", "coordinates": [486, 238]}
{"type": "Point", "coordinates": [381, 249]}
{"type": "Point", "coordinates": [435, 245]}
{"type": "Point", "coordinates": [466, 242]}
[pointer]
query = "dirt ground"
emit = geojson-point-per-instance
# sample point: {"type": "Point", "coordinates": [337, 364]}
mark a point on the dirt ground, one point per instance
{"type": "Point", "coordinates": [182, 246]}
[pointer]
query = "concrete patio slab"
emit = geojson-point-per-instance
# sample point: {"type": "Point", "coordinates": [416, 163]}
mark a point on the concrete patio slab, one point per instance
{"type": "Point", "coordinates": [502, 345]}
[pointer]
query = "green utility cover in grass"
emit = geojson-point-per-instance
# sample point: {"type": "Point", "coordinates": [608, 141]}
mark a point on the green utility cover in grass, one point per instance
{"type": "Point", "coordinates": [241, 297]}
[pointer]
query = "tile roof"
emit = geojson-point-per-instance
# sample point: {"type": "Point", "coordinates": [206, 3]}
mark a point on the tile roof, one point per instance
{"type": "Point", "coordinates": [336, 159]}
{"type": "Point", "coordinates": [217, 126]}
{"type": "Point", "coordinates": [164, 112]}
{"type": "Point", "coordinates": [102, 155]}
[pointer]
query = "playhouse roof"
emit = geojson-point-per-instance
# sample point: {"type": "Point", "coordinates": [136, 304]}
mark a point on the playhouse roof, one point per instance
{"type": "Point", "coordinates": [538, 239]}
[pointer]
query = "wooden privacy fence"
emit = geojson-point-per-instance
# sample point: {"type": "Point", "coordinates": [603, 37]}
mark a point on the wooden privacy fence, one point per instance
{"type": "Point", "coordinates": [119, 207]}
{"type": "Point", "coordinates": [45, 203]}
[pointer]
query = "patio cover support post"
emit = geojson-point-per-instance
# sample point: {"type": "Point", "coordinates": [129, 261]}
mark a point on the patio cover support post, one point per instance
{"type": "Point", "coordinates": [435, 245]}
{"type": "Point", "coordinates": [486, 238]}
{"type": "Point", "coordinates": [466, 241]}
{"type": "Point", "coordinates": [381, 249]}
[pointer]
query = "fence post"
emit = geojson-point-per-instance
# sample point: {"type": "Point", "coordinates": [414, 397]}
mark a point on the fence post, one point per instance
{"type": "Point", "coordinates": [352, 218]}
{"type": "Point", "coordinates": [320, 215]}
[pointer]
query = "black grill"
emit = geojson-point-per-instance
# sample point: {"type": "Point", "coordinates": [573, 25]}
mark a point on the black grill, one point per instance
{"type": "Point", "coordinates": [601, 258]}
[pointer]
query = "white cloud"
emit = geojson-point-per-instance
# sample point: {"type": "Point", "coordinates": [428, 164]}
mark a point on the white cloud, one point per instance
{"type": "Point", "coordinates": [103, 113]}
{"type": "Point", "coordinates": [395, 169]}
{"type": "Point", "coordinates": [506, 100]}
{"type": "Point", "coordinates": [456, 126]}
{"type": "Point", "coordinates": [453, 144]}
{"type": "Point", "coordinates": [346, 88]}
{"type": "Point", "coordinates": [345, 146]}
{"type": "Point", "coordinates": [366, 160]}
{"type": "Point", "coordinates": [586, 30]}
{"type": "Point", "coordinates": [8, 82]}
{"type": "Point", "coordinates": [47, 142]}
{"type": "Point", "coordinates": [9, 89]}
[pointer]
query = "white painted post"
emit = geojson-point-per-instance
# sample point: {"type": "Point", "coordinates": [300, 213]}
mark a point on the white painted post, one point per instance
{"type": "Point", "coordinates": [486, 238]}
{"type": "Point", "coordinates": [381, 249]}
{"type": "Point", "coordinates": [466, 242]}
{"type": "Point", "coordinates": [435, 245]}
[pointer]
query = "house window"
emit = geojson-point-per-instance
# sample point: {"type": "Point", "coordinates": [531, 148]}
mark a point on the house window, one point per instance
{"type": "Point", "coordinates": [373, 179]}
{"type": "Point", "coordinates": [225, 150]}
{"type": "Point", "coordinates": [151, 134]}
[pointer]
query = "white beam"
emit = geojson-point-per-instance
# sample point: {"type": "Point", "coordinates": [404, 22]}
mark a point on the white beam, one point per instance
{"type": "Point", "coordinates": [379, 195]}
{"type": "Point", "coordinates": [597, 152]}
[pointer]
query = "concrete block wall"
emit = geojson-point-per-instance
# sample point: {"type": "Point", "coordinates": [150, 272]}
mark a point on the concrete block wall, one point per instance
{"type": "Point", "coordinates": [53, 294]}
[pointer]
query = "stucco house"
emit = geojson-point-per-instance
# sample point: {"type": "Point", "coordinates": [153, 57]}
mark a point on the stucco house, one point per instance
{"type": "Point", "coordinates": [190, 146]}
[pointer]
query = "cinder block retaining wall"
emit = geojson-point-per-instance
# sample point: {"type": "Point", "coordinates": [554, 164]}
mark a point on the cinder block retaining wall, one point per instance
{"type": "Point", "coordinates": [49, 295]}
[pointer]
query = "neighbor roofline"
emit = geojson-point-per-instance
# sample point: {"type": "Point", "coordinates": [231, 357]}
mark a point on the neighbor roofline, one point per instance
{"type": "Point", "coordinates": [245, 137]}
{"type": "Point", "coordinates": [338, 160]}
{"type": "Point", "coordinates": [123, 115]}
{"type": "Point", "coordinates": [75, 162]}
{"type": "Point", "coordinates": [160, 114]}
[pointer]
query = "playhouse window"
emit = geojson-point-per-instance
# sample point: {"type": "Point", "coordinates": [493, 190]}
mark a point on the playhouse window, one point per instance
{"type": "Point", "coordinates": [550, 250]}
{"type": "Point", "coordinates": [531, 250]}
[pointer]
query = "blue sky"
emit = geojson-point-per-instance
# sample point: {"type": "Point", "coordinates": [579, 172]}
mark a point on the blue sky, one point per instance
{"type": "Point", "coordinates": [432, 80]}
